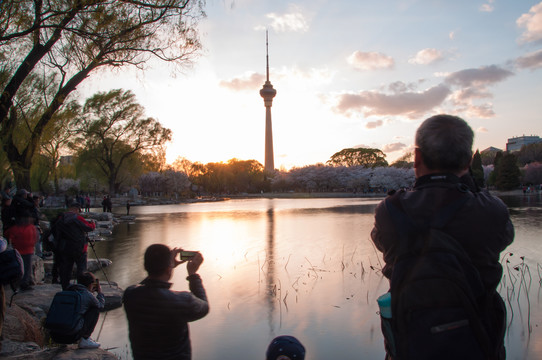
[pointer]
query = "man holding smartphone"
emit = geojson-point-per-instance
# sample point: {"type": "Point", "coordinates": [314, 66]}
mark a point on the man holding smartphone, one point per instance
{"type": "Point", "coordinates": [157, 316]}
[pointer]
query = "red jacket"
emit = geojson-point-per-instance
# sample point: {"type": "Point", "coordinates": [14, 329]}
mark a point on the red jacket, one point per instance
{"type": "Point", "coordinates": [23, 238]}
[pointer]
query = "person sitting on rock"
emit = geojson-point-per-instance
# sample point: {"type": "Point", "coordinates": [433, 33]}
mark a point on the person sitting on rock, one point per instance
{"type": "Point", "coordinates": [74, 312]}
{"type": "Point", "coordinates": [91, 305]}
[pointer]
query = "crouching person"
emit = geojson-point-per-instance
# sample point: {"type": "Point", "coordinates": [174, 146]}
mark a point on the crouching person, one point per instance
{"type": "Point", "coordinates": [74, 312]}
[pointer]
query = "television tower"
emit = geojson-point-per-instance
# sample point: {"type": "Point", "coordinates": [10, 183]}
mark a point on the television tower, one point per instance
{"type": "Point", "coordinates": [268, 93]}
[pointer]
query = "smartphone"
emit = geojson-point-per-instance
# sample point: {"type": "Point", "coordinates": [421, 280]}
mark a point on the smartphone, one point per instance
{"type": "Point", "coordinates": [187, 255]}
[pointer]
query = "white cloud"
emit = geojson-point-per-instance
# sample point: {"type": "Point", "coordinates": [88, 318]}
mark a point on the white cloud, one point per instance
{"type": "Point", "coordinates": [293, 21]}
{"type": "Point", "coordinates": [486, 8]}
{"type": "Point", "coordinates": [530, 61]}
{"type": "Point", "coordinates": [481, 129]}
{"type": "Point", "coordinates": [370, 60]}
{"type": "Point", "coordinates": [374, 124]}
{"type": "Point", "coordinates": [426, 57]}
{"type": "Point", "coordinates": [452, 35]}
{"type": "Point", "coordinates": [408, 103]}
{"type": "Point", "coordinates": [532, 22]}
{"type": "Point", "coordinates": [393, 147]}
{"type": "Point", "coordinates": [251, 81]}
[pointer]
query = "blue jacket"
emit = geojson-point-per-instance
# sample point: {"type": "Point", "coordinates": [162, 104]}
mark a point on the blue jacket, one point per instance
{"type": "Point", "coordinates": [88, 300]}
{"type": "Point", "coordinates": [158, 318]}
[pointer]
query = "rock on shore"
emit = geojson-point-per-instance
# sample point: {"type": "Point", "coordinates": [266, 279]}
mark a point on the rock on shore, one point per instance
{"type": "Point", "coordinates": [24, 335]}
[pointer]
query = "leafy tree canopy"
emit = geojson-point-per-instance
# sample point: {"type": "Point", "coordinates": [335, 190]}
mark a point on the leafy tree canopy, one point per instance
{"type": "Point", "coordinates": [405, 162]}
{"type": "Point", "coordinates": [112, 129]}
{"type": "Point", "coordinates": [47, 48]}
{"type": "Point", "coordinates": [366, 157]}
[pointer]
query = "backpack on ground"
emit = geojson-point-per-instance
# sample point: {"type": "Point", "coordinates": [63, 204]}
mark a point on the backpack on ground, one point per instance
{"type": "Point", "coordinates": [436, 293]}
{"type": "Point", "coordinates": [64, 320]}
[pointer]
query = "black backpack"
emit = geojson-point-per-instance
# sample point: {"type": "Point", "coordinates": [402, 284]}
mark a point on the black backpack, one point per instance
{"type": "Point", "coordinates": [436, 293]}
{"type": "Point", "coordinates": [11, 267]}
{"type": "Point", "coordinates": [64, 320]}
{"type": "Point", "coordinates": [51, 238]}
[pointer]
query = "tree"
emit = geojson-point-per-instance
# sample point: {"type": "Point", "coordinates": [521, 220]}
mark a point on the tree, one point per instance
{"type": "Point", "coordinates": [183, 165]}
{"type": "Point", "coordinates": [366, 157]}
{"type": "Point", "coordinates": [234, 176]}
{"type": "Point", "coordinates": [533, 174]}
{"type": "Point", "coordinates": [496, 161]}
{"type": "Point", "coordinates": [52, 46]}
{"type": "Point", "coordinates": [56, 138]}
{"type": "Point", "coordinates": [405, 162]}
{"type": "Point", "coordinates": [477, 169]}
{"type": "Point", "coordinates": [530, 153]}
{"type": "Point", "coordinates": [508, 173]}
{"type": "Point", "coordinates": [112, 130]}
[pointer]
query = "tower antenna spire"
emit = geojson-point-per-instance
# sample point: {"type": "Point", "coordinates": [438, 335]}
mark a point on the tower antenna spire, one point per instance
{"type": "Point", "coordinates": [267, 52]}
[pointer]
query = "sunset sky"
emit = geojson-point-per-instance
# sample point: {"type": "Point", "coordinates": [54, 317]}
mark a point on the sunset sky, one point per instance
{"type": "Point", "coordinates": [347, 73]}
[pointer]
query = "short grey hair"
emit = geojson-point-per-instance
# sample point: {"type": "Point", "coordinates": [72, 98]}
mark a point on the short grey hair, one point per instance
{"type": "Point", "coordinates": [445, 143]}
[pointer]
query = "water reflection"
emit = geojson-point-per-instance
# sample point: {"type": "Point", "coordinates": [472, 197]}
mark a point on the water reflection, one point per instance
{"type": "Point", "coordinates": [302, 267]}
{"type": "Point", "coordinates": [270, 277]}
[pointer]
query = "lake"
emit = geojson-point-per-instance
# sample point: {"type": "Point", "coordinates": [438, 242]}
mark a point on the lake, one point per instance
{"type": "Point", "coordinates": [303, 267]}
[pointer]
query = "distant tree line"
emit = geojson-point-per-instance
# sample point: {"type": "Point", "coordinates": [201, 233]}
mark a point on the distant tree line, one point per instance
{"type": "Point", "coordinates": [508, 171]}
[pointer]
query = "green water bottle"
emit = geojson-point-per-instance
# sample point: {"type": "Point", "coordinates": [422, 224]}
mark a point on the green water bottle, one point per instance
{"type": "Point", "coordinates": [384, 303]}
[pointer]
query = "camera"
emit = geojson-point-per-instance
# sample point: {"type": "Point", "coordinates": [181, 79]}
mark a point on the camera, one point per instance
{"type": "Point", "coordinates": [187, 255]}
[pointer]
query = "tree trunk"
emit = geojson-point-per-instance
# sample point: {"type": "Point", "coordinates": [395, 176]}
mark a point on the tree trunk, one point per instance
{"type": "Point", "coordinates": [21, 173]}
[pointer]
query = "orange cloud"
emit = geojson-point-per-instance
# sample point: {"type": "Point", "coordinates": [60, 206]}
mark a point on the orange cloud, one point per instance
{"type": "Point", "coordinates": [426, 57]}
{"type": "Point", "coordinates": [393, 147]}
{"type": "Point", "coordinates": [251, 82]}
{"type": "Point", "coordinates": [370, 60]}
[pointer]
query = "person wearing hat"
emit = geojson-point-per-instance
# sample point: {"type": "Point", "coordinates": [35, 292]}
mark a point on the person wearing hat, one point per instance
{"type": "Point", "coordinates": [285, 347]}
{"type": "Point", "coordinates": [70, 232]}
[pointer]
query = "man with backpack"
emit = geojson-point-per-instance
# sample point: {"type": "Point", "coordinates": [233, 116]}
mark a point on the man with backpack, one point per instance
{"type": "Point", "coordinates": [70, 233]}
{"type": "Point", "coordinates": [441, 244]}
{"type": "Point", "coordinates": [74, 312]}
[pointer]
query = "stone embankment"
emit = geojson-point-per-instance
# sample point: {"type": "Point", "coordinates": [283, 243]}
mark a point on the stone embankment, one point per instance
{"type": "Point", "coordinates": [23, 335]}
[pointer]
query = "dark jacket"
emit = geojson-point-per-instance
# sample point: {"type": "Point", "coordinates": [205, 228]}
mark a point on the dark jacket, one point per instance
{"type": "Point", "coordinates": [482, 226]}
{"type": "Point", "coordinates": [88, 300]}
{"type": "Point", "coordinates": [70, 232]}
{"type": "Point", "coordinates": [158, 317]}
{"type": "Point", "coordinates": [23, 208]}
{"type": "Point", "coordinates": [8, 217]}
